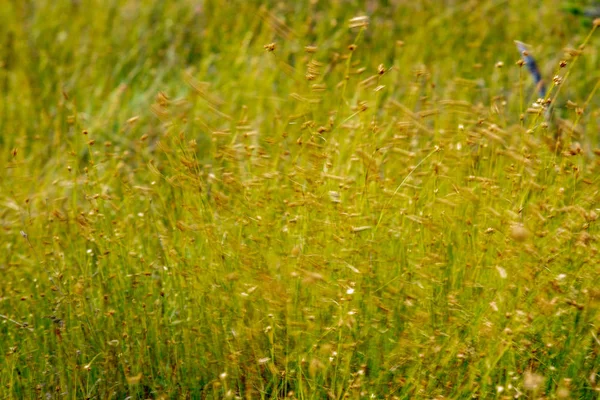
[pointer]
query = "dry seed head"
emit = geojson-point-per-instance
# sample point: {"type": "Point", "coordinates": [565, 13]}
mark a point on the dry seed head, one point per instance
{"type": "Point", "coordinates": [563, 63]}
{"type": "Point", "coordinates": [270, 47]}
{"type": "Point", "coordinates": [597, 22]}
{"type": "Point", "coordinates": [352, 47]}
{"type": "Point", "coordinates": [310, 49]}
{"type": "Point", "coordinates": [532, 381]}
{"type": "Point", "coordinates": [571, 104]}
{"type": "Point", "coordinates": [584, 238]}
{"type": "Point", "coordinates": [381, 69]}
{"type": "Point", "coordinates": [296, 251]}
{"type": "Point", "coordinates": [359, 22]}
{"type": "Point", "coordinates": [557, 80]}
{"type": "Point", "coordinates": [334, 196]}
{"type": "Point", "coordinates": [162, 99]}
{"type": "Point", "coordinates": [563, 393]}
{"type": "Point", "coordinates": [519, 233]}
{"type": "Point", "coordinates": [499, 64]}
{"type": "Point", "coordinates": [313, 67]}
{"type": "Point", "coordinates": [520, 63]}
{"type": "Point", "coordinates": [573, 52]}
{"type": "Point", "coordinates": [502, 273]}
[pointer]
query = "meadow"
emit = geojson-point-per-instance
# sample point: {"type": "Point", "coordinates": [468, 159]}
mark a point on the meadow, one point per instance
{"type": "Point", "coordinates": [304, 200]}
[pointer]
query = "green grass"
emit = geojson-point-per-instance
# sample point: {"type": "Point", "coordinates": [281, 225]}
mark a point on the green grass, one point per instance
{"type": "Point", "coordinates": [363, 212]}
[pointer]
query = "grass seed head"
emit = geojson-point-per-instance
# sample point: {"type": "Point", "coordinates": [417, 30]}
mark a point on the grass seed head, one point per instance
{"type": "Point", "coordinates": [367, 193]}
{"type": "Point", "coordinates": [519, 233]}
{"type": "Point", "coordinates": [359, 22]}
{"type": "Point", "coordinates": [532, 381]}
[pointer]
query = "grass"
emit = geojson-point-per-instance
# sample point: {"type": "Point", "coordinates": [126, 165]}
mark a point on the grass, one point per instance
{"type": "Point", "coordinates": [269, 200]}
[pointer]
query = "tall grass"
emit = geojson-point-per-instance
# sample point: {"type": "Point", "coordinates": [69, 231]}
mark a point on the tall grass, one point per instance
{"type": "Point", "coordinates": [270, 200]}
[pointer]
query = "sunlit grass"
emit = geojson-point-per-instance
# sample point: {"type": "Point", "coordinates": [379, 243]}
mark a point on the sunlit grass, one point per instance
{"type": "Point", "coordinates": [201, 200]}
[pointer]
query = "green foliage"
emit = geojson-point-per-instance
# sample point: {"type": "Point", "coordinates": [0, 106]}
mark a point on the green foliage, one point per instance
{"type": "Point", "coordinates": [287, 199]}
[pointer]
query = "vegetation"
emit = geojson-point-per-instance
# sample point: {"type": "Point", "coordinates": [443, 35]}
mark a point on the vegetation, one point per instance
{"type": "Point", "coordinates": [288, 199]}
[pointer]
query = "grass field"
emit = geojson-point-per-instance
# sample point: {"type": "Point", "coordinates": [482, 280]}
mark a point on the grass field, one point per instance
{"type": "Point", "coordinates": [262, 200]}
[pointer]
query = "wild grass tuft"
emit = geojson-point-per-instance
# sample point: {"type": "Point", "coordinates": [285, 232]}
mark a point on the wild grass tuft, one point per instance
{"type": "Point", "coordinates": [298, 200]}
